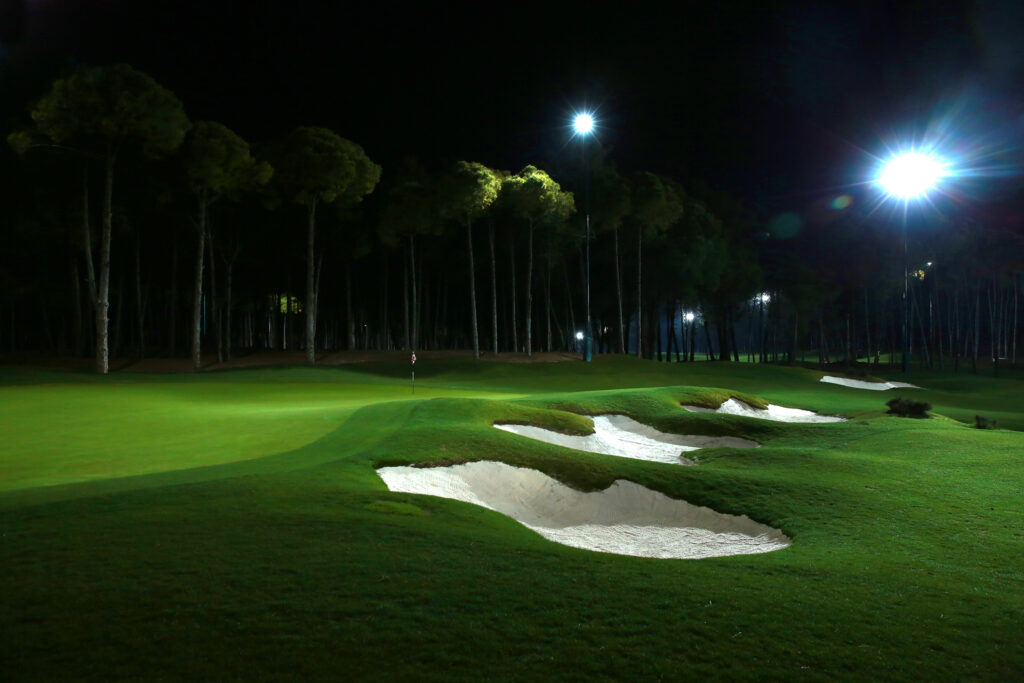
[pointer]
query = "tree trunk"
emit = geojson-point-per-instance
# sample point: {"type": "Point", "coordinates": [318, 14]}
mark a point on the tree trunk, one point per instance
{"type": "Point", "coordinates": [311, 287]}
{"type": "Point", "coordinates": [670, 321]}
{"type": "Point", "coordinates": [172, 344]}
{"type": "Point", "coordinates": [849, 343]}
{"type": "Point", "coordinates": [639, 306]}
{"type": "Point", "coordinates": [494, 291]}
{"type": "Point", "coordinates": [47, 332]}
{"type": "Point", "coordinates": [87, 242]}
{"type": "Point", "coordinates": [655, 324]}
{"type": "Point", "coordinates": [796, 336]}
{"type": "Point", "coordinates": [117, 328]}
{"type": "Point", "coordinates": [350, 321]}
{"type": "Point", "coordinates": [993, 326]}
{"type": "Point", "coordinates": [103, 292]}
{"type": "Point", "coordinates": [213, 299]}
{"type": "Point", "coordinates": [385, 322]}
{"type": "Point", "coordinates": [618, 291]}
{"type": "Point", "coordinates": [139, 313]}
{"type": "Point", "coordinates": [955, 329]}
{"type": "Point", "coordinates": [867, 326]}
{"type": "Point", "coordinates": [229, 268]}
{"type": "Point", "coordinates": [554, 314]}
{"type": "Point", "coordinates": [568, 299]}
{"type": "Point", "coordinates": [732, 337]}
{"type": "Point", "coordinates": [693, 340]}
{"type": "Point", "coordinates": [316, 290]}
{"type": "Point", "coordinates": [977, 324]}
{"type": "Point", "coordinates": [405, 304]}
{"type": "Point", "coordinates": [1016, 308]}
{"type": "Point", "coordinates": [529, 290]}
{"type": "Point", "coordinates": [472, 290]}
{"type": "Point", "coordinates": [286, 315]}
{"type": "Point", "coordinates": [709, 353]}
{"type": "Point", "coordinates": [414, 340]}
{"type": "Point", "coordinates": [925, 350]}
{"type": "Point", "coordinates": [77, 293]}
{"type": "Point", "coordinates": [197, 301]}
{"type": "Point", "coordinates": [822, 342]}
{"type": "Point", "coordinates": [515, 323]}
{"type": "Point", "coordinates": [547, 303]}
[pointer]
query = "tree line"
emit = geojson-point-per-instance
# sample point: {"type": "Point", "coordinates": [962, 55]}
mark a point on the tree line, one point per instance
{"type": "Point", "coordinates": [208, 244]}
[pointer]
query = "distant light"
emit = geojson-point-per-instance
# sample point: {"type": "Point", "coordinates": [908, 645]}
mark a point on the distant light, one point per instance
{"type": "Point", "coordinates": [929, 264]}
{"type": "Point", "coordinates": [911, 175]}
{"type": "Point", "coordinates": [764, 297]}
{"type": "Point", "coordinates": [689, 317]}
{"type": "Point", "coordinates": [583, 123]}
{"type": "Point", "coordinates": [579, 335]}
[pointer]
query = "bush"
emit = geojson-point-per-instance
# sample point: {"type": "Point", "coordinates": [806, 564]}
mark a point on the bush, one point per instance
{"type": "Point", "coordinates": [982, 422]}
{"type": "Point", "coordinates": [904, 407]}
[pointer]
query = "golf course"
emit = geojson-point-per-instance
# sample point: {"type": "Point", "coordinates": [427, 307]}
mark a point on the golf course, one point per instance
{"type": "Point", "coordinates": [232, 525]}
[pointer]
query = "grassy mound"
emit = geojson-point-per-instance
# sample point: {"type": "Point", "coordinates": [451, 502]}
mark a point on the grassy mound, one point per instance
{"type": "Point", "coordinates": [231, 525]}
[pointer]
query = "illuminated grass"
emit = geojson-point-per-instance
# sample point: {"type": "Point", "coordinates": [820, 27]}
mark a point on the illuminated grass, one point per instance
{"type": "Point", "coordinates": [78, 430]}
{"type": "Point", "coordinates": [300, 564]}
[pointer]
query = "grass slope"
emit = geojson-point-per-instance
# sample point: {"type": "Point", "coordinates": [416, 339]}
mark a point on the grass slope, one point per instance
{"type": "Point", "coordinates": [258, 542]}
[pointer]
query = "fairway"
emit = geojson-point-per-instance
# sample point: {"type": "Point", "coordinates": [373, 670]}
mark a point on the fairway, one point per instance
{"type": "Point", "coordinates": [232, 525]}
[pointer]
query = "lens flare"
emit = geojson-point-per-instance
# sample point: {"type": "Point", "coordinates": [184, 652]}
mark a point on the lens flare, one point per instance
{"type": "Point", "coordinates": [841, 202]}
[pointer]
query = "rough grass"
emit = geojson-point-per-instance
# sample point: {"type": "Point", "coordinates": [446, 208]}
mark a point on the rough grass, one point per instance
{"type": "Point", "coordinates": [288, 558]}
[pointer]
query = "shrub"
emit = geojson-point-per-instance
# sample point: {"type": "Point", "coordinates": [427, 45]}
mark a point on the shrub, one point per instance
{"type": "Point", "coordinates": [905, 407]}
{"type": "Point", "coordinates": [982, 422]}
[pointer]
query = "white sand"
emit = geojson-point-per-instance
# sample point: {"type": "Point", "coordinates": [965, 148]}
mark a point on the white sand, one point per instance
{"type": "Point", "coordinates": [776, 413]}
{"type": "Point", "coordinates": [625, 437]}
{"type": "Point", "coordinates": [625, 518]}
{"type": "Point", "coordinates": [861, 384]}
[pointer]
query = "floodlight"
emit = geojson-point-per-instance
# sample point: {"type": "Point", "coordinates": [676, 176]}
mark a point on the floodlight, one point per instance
{"type": "Point", "coordinates": [911, 175]}
{"type": "Point", "coordinates": [689, 317]}
{"type": "Point", "coordinates": [579, 335]}
{"type": "Point", "coordinates": [583, 123]}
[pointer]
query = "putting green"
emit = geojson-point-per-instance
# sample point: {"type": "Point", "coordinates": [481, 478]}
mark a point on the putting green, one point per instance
{"type": "Point", "coordinates": [77, 431]}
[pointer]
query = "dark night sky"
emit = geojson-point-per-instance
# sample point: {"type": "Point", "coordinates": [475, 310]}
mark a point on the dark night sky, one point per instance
{"type": "Point", "coordinates": [780, 102]}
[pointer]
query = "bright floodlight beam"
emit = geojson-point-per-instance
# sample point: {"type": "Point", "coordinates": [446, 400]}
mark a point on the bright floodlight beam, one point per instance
{"type": "Point", "coordinates": [911, 175]}
{"type": "Point", "coordinates": [583, 123]}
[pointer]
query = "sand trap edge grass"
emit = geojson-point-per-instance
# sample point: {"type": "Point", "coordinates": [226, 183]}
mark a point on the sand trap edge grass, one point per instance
{"type": "Point", "coordinates": [622, 436]}
{"type": "Point", "coordinates": [775, 413]}
{"type": "Point", "coordinates": [624, 519]}
{"type": "Point", "coordinates": [861, 384]}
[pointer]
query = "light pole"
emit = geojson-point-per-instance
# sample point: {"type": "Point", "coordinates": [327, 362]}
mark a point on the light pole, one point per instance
{"type": "Point", "coordinates": [583, 124]}
{"type": "Point", "coordinates": [907, 176]}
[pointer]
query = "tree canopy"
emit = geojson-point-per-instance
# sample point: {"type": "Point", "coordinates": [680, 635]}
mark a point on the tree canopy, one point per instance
{"type": "Point", "coordinates": [108, 105]}
{"type": "Point", "coordinates": [217, 160]}
{"type": "Point", "coordinates": [314, 165]}
{"type": "Point", "coordinates": [535, 197]}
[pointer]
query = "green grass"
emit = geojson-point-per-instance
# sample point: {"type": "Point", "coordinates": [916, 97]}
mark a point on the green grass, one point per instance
{"type": "Point", "coordinates": [230, 525]}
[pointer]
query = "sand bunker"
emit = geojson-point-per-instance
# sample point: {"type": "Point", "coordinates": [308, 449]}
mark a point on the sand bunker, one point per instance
{"type": "Point", "coordinates": [861, 384]}
{"type": "Point", "coordinates": [777, 413]}
{"type": "Point", "coordinates": [625, 437]}
{"type": "Point", "coordinates": [625, 518]}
